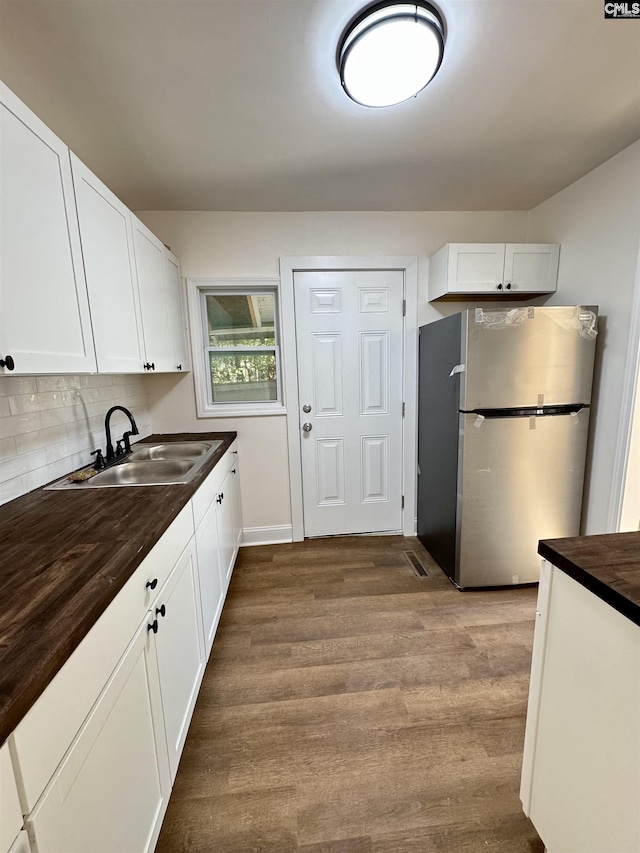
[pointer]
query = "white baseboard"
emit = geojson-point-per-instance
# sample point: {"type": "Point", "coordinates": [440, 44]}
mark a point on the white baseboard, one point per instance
{"type": "Point", "coordinates": [267, 535]}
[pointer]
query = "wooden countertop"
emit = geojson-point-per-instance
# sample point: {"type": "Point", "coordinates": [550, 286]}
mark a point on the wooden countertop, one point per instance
{"type": "Point", "coordinates": [608, 565]}
{"type": "Point", "coordinates": [64, 556]}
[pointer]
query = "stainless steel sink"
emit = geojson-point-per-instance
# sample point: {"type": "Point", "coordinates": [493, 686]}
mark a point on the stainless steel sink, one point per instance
{"type": "Point", "coordinates": [150, 465]}
{"type": "Point", "coordinates": [173, 450]}
{"type": "Point", "coordinates": [159, 472]}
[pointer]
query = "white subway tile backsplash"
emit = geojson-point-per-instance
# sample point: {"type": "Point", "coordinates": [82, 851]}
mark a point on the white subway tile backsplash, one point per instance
{"type": "Point", "coordinates": [49, 424]}
{"type": "Point", "coordinates": [20, 405]}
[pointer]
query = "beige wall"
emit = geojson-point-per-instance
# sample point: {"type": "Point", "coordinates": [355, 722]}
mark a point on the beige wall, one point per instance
{"type": "Point", "coordinates": [250, 244]}
{"type": "Point", "coordinates": [597, 222]}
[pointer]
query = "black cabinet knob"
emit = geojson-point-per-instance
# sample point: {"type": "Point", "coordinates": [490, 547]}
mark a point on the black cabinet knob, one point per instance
{"type": "Point", "coordinates": [500, 286]}
{"type": "Point", "coordinates": [153, 626]}
{"type": "Point", "coordinates": [161, 610]}
{"type": "Point", "coordinates": [233, 470]}
{"type": "Point", "coordinates": [508, 286]}
{"type": "Point", "coordinates": [219, 499]}
{"type": "Point", "coordinates": [151, 366]}
{"type": "Point", "coordinates": [7, 362]}
{"type": "Point", "coordinates": [152, 584]}
{"type": "Point", "coordinates": [179, 367]}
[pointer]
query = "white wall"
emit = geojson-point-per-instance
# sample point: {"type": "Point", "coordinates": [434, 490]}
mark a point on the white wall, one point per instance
{"type": "Point", "coordinates": [597, 222]}
{"type": "Point", "coordinates": [49, 424]}
{"type": "Point", "coordinates": [250, 244]}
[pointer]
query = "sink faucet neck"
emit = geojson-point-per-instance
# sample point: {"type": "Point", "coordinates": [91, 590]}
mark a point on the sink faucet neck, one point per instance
{"type": "Point", "coordinates": [110, 454]}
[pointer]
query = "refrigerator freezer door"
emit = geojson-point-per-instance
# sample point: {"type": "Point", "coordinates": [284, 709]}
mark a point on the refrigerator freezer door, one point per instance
{"type": "Point", "coordinates": [520, 480]}
{"type": "Point", "coordinates": [527, 357]}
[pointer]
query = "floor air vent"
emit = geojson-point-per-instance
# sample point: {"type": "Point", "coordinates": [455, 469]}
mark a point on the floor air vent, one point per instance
{"type": "Point", "coordinates": [414, 561]}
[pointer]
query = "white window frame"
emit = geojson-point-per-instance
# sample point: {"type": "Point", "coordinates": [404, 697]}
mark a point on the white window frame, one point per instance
{"type": "Point", "coordinates": [197, 288]}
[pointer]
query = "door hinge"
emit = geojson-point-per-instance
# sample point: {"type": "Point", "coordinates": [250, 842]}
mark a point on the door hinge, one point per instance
{"type": "Point", "coordinates": [402, 504]}
{"type": "Point", "coordinates": [404, 307]}
{"type": "Point", "coordinates": [403, 409]}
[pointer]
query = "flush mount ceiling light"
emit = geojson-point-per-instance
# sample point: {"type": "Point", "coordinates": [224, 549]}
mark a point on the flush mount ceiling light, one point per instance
{"type": "Point", "coordinates": [390, 51]}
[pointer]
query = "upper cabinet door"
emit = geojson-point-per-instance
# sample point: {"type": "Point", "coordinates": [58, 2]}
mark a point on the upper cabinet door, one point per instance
{"type": "Point", "coordinates": [107, 248]}
{"type": "Point", "coordinates": [44, 311]}
{"type": "Point", "coordinates": [475, 267]}
{"type": "Point", "coordinates": [531, 267]}
{"type": "Point", "coordinates": [173, 292]}
{"type": "Point", "coordinates": [149, 255]}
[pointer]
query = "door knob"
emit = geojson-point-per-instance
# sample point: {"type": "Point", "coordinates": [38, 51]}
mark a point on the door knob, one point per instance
{"type": "Point", "coordinates": [306, 408]}
{"type": "Point", "coordinates": [307, 427]}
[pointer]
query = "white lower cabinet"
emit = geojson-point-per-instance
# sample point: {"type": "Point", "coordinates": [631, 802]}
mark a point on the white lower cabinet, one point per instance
{"type": "Point", "coordinates": [581, 765]}
{"type": "Point", "coordinates": [237, 504]}
{"type": "Point", "coordinates": [110, 793]}
{"type": "Point", "coordinates": [177, 629]}
{"type": "Point", "coordinates": [101, 783]}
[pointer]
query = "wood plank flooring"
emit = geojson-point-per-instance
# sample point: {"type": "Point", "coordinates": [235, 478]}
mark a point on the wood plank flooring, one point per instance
{"type": "Point", "coordinates": [351, 707]}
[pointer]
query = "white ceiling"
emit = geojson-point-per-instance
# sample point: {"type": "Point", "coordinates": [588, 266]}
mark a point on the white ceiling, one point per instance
{"type": "Point", "coordinates": [237, 105]}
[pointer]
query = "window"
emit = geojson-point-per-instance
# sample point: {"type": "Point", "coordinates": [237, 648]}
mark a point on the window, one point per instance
{"type": "Point", "coordinates": [241, 348]}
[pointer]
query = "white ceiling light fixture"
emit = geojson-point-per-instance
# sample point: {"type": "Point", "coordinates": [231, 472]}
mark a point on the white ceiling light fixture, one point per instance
{"type": "Point", "coordinates": [390, 51]}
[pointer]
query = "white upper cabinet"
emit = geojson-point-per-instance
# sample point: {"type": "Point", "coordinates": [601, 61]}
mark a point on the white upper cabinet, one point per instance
{"type": "Point", "coordinates": [160, 302]}
{"type": "Point", "coordinates": [45, 325]}
{"type": "Point", "coordinates": [481, 269]}
{"type": "Point", "coordinates": [107, 249]}
{"type": "Point", "coordinates": [175, 311]}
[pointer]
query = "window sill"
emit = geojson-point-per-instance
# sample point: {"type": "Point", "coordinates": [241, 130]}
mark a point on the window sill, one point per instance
{"type": "Point", "coordinates": [246, 410]}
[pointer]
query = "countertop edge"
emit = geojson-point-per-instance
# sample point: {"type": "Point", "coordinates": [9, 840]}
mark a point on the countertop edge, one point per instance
{"type": "Point", "coordinates": [601, 589]}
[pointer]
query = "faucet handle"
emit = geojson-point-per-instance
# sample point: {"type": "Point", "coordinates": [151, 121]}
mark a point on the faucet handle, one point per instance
{"type": "Point", "coordinates": [99, 463]}
{"type": "Point", "coordinates": [119, 449]}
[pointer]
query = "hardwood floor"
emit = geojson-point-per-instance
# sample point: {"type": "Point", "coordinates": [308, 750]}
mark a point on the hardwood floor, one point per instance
{"type": "Point", "coordinates": [351, 707]}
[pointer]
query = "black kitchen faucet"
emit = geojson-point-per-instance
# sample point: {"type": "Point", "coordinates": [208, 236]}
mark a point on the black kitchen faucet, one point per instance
{"type": "Point", "coordinates": [125, 438]}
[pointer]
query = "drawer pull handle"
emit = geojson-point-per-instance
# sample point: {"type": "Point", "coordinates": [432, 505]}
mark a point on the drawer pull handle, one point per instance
{"type": "Point", "coordinates": [161, 610]}
{"type": "Point", "coordinates": [219, 498]}
{"type": "Point", "coordinates": [153, 626]}
{"type": "Point", "coordinates": [233, 470]}
{"type": "Point", "coordinates": [152, 584]}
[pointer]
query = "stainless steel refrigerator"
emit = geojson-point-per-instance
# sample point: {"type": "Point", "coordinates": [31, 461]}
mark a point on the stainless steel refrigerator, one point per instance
{"type": "Point", "coordinates": [503, 419]}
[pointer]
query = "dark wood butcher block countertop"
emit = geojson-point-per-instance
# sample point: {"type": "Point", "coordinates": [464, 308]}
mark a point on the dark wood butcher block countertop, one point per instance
{"type": "Point", "coordinates": [608, 565]}
{"type": "Point", "coordinates": [64, 556]}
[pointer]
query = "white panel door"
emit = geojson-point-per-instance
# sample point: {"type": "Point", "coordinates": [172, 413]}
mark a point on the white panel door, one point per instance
{"type": "Point", "coordinates": [149, 254]}
{"type": "Point", "coordinates": [107, 249]}
{"type": "Point", "coordinates": [180, 649]}
{"type": "Point", "coordinates": [44, 311]}
{"type": "Point", "coordinates": [111, 790]}
{"type": "Point", "coordinates": [173, 294]}
{"type": "Point", "coordinates": [349, 336]}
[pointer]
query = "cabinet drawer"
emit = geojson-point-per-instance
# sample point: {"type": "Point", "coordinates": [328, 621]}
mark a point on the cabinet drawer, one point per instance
{"type": "Point", "coordinates": [44, 735]}
{"type": "Point", "coordinates": [206, 494]}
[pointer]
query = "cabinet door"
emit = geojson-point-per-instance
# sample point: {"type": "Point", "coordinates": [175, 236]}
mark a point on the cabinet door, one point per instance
{"type": "Point", "coordinates": [173, 292]}
{"type": "Point", "coordinates": [149, 255]}
{"type": "Point", "coordinates": [237, 505]}
{"type": "Point", "coordinates": [111, 791]}
{"type": "Point", "coordinates": [531, 267]}
{"type": "Point", "coordinates": [10, 812]}
{"type": "Point", "coordinates": [44, 311]}
{"type": "Point", "coordinates": [475, 267]}
{"type": "Point", "coordinates": [226, 533]}
{"type": "Point", "coordinates": [210, 575]}
{"type": "Point", "coordinates": [107, 249]}
{"type": "Point", "coordinates": [180, 650]}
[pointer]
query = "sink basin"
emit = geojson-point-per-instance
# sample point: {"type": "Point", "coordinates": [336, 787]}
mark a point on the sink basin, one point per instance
{"type": "Point", "coordinates": [170, 463]}
{"type": "Point", "coordinates": [174, 450]}
{"type": "Point", "coordinates": [158, 472]}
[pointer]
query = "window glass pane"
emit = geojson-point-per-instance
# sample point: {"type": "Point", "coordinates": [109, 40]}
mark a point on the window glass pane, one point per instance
{"type": "Point", "coordinates": [244, 376]}
{"type": "Point", "coordinates": [245, 320]}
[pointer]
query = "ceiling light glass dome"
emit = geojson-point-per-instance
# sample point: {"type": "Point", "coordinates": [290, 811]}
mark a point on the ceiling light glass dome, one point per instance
{"type": "Point", "coordinates": [390, 51]}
